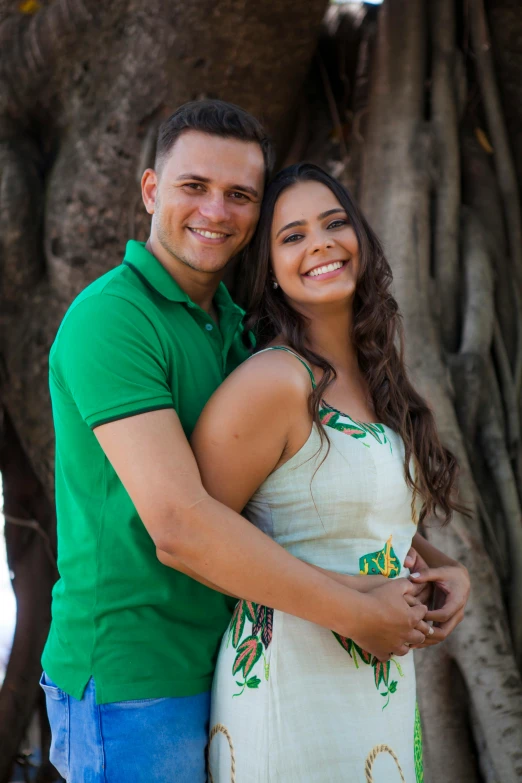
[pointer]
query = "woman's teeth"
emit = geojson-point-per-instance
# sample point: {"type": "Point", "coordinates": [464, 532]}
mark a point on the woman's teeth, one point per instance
{"type": "Point", "coordinates": [321, 270]}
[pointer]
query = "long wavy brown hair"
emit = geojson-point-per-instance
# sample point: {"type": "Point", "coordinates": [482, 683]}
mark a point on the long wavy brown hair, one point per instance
{"type": "Point", "coordinates": [377, 335]}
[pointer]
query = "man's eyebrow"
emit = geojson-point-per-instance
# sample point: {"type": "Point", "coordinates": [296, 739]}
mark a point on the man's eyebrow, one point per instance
{"type": "Point", "coordinates": [322, 216]}
{"type": "Point", "coordinates": [190, 175]}
{"type": "Point", "coordinates": [245, 189]}
{"type": "Point", "coordinates": [198, 178]}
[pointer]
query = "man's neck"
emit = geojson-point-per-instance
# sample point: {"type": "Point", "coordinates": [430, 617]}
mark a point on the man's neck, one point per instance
{"type": "Point", "coordinates": [199, 286]}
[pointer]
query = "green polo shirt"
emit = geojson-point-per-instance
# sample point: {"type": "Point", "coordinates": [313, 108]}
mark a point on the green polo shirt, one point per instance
{"type": "Point", "coordinates": [132, 342]}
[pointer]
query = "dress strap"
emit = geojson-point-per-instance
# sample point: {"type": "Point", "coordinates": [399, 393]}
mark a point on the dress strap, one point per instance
{"type": "Point", "coordinates": [289, 350]}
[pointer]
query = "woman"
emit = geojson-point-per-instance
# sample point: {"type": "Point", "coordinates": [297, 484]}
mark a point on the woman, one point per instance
{"type": "Point", "coordinates": [323, 440]}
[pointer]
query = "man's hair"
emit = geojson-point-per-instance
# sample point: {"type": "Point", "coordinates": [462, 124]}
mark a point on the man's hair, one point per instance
{"type": "Point", "coordinates": [216, 118]}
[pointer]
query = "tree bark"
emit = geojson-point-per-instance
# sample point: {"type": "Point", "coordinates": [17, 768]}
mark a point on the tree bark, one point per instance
{"type": "Point", "coordinates": [31, 558]}
{"type": "Point", "coordinates": [397, 182]}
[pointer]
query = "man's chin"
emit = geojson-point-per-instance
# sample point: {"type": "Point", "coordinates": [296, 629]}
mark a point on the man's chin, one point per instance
{"type": "Point", "coordinates": [206, 265]}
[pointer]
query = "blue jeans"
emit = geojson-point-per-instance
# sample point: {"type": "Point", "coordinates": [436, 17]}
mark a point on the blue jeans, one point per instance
{"type": "Point", "coordinates": [140, 741]}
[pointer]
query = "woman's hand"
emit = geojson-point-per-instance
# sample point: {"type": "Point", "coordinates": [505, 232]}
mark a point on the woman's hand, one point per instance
{"type": "Point", "coordinates": [451, 592]}
{"type": "Point", "coordinates": [392, 621]}
{"type": "Point", "coordinates": [417, 565]}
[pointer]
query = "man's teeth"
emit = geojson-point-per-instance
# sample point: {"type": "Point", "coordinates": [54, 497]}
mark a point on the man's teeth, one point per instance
{"type": "Point", "coordinates": [208, 234]}
{"type": "Point", "coordinates": [321, 270]}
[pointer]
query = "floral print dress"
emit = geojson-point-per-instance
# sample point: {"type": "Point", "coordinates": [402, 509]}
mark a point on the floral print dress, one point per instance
{"type": "Point", "coordinates": [293, 702]}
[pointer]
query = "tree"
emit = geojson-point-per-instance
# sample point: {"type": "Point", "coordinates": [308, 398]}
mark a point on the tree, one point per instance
{"type": "Point", "coordinates": [402, 103]}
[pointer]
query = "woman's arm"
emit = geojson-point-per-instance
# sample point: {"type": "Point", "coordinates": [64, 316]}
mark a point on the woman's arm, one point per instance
{"type": "Point", "coordinates": [432, 556]}
{"type": "Point", "coordinates": [256, 421]}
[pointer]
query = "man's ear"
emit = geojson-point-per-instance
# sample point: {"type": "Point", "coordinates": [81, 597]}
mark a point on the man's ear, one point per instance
{"type": "Point", "coordinates": [149, 184]}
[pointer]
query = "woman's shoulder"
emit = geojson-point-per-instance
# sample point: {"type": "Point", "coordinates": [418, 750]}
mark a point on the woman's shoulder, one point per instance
{"type": "Point", "coordinates": [267, 378]}
{"type": "Point", "coordinates": [276, 366]}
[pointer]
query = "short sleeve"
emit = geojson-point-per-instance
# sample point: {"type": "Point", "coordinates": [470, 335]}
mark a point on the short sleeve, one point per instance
{"type": "Point", "coordinates": [109, 358]}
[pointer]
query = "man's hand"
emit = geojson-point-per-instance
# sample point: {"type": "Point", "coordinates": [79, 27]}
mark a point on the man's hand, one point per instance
{"type": "Point", "coordinates": [451, 592]}
{"type": "Point", "coordinates": [392, 620]}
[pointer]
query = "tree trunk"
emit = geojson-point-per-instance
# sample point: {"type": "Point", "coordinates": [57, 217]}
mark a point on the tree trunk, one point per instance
{"type": "Point", "coordinates": [411, 195]}
{"type": "Point", "coordinates": [403, 104]}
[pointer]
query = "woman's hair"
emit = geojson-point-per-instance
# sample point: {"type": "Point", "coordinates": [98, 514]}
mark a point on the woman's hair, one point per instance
{"type": "Point", "coordinates": [377, 335]}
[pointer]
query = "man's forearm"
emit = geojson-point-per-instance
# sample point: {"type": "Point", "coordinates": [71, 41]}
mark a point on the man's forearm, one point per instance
{"type": "Point", "coordinates": [216, 543]}
{"type": "Point", "coordinates": [433, 556]}
{"type": "Point", "coordinates": [363, 583]}
{"type": "Point", "coordinates": [176, 564]}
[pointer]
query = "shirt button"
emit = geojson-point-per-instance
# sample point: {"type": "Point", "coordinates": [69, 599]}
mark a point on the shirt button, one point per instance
{"type": "Point", "coordinates": [208, 327]}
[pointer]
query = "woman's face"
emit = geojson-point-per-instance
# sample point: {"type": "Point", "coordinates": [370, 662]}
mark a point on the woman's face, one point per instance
{"type": "Point", "coordinates": [314, 250]}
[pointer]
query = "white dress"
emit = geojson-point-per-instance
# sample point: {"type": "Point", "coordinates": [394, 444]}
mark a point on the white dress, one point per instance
{"type": "Point", "coordinates": [292, 702]}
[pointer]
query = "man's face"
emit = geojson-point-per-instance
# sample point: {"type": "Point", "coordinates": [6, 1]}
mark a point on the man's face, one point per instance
{"type": "Point", "coordinates": [205, 199]}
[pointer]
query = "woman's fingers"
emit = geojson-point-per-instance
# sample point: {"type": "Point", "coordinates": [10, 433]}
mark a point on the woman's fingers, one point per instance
{"type": "Point", "coordinates": [424, 628]}
{"type": "Point", "coordinates": [417, 588]}
{"type": "Point", "coordinates": [415, 637]}
{"type": "Point", "coordinates": [441, 633]}
{"type": "Point", "coordinates": [411, 557]}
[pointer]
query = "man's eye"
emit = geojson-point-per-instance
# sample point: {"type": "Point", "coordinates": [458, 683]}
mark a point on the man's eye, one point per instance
{"type": "Point", "coordinates": [291, 238]}
{"type": "Point", "coordinates": [239, 196]}
{"type": "Point", "coordinates": [193, 185]}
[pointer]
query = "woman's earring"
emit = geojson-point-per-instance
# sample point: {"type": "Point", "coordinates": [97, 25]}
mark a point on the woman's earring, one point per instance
{"type": "Point", "coordinates": [275, 284]}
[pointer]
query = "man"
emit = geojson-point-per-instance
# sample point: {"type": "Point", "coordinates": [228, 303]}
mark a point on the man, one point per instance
{"type": "Point", "coordinates": [130, 655]}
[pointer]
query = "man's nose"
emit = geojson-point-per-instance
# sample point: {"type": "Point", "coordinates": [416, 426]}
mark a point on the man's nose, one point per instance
{"type": "Point", "coordinates": [214, 208]}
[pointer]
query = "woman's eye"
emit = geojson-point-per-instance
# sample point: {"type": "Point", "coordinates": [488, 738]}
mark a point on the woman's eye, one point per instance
{"type": "Point", "coordinates": [291, 238]}
{"type": "Point", "coordinates": [338, 223]}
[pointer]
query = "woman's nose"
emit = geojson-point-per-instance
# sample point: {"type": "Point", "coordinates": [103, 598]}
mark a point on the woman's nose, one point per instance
{"type": "Point", "coordinates": [321, 243]}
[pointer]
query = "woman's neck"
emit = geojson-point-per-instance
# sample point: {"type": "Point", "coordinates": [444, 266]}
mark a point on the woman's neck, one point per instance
{"type": "Point", "coordinates": [329, 334]}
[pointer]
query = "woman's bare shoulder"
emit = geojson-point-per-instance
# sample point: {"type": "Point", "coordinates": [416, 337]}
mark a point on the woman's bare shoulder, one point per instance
{"type": "Point", "coordinates": [267, 382]}
{"type": "Point", "coordinates": [274, 371]}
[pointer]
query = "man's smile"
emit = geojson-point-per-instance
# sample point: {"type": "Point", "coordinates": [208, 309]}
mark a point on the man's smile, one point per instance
{"type": "Point", "coordinates": [207, 236]}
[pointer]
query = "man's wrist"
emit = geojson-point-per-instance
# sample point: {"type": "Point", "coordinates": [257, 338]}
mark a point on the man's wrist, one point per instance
{"type": "Point", "coordinates": [351, 607]}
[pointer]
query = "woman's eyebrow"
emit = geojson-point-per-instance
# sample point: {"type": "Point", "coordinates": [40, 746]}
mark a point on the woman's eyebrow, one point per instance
{"type": "Point", "coordinates": [291, 225]}
{"type": "Point", "coordinates": [330, 212]}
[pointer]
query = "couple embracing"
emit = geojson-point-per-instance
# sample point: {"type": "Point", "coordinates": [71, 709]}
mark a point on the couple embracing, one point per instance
{"type": "Point", "coordinates": [263, 499]}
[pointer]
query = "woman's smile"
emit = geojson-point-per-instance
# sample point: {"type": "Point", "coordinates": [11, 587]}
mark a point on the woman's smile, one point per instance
{"type": "Point", "coordinates": [327, 270]}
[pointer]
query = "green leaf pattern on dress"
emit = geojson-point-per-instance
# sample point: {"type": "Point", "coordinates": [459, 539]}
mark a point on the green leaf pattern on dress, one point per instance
{"type": "Point", "coordinates": [342, 422]}
{"type": "Point", "coordinates": [417, 747]}
{"type": "Point", "coordinates": [252, 648]}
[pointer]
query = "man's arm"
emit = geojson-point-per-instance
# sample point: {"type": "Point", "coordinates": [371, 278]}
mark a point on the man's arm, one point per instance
{"type": "Point", "coordinates": [361, 583]}
{"type": "Point", "coordinates": [156, 465]}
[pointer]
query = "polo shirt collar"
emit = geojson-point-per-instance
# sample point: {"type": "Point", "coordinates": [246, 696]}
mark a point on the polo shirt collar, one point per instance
{"type": "Point", "coordinates": [156, 276]}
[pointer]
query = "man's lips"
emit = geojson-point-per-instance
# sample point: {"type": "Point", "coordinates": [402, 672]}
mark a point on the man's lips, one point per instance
{"type": "Point", "coordinates": [208, 233]}
{"type": "Point", "coordinates": [207, 236]}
